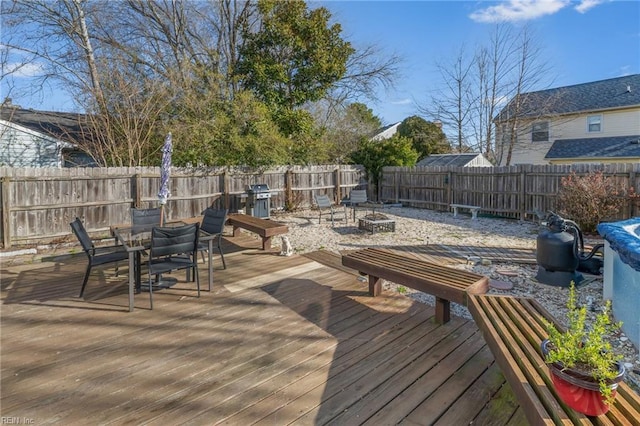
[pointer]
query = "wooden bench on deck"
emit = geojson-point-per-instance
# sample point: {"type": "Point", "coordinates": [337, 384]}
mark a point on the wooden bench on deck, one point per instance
{"type": "Point", "coordinates": [513, 330]}
{"type": "Point", "coordinates": [266, 229]}
{"type": "Point", "coordinates": [445, 283]}
{"type": "Point", "coordinates": [474, 210]}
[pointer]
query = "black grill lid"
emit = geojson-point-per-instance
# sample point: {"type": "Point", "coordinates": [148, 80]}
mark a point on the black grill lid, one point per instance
{"type": "Point", "coordinates": [258, 187]}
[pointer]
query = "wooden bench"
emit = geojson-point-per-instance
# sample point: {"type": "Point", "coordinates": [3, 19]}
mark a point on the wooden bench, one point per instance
{"type": "Point", "coordinates": [263, 227]}
{"type": "Point", "coordinates": [513, 330]}
{"type": "Point", "coordinates": [474, 210]}
{"type": "Point", "coordinates": [445, 283]}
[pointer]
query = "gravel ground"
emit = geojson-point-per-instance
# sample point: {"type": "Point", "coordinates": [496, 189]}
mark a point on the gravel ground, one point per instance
{"type": "Point", "coordinates": [419, 227]}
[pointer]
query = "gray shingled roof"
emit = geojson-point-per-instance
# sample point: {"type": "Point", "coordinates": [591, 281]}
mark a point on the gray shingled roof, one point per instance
{"type": "Point", "coordinates": [594, 96]}
{"type": "Point", "coordinates": [610, 147]}
{"type": "Point", "coordinates": [61, 125]}
{"type": "Point", "coordinates": [456, 160]}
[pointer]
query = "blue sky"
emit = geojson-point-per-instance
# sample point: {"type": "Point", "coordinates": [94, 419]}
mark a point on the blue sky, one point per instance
{"type": "Point", "coordinates": [583, 41]}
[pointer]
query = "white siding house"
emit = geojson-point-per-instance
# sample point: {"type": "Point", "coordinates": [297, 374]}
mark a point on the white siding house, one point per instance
{"type": "Point", "coordinates": [386, 132]}
{"type": "Point", "coordinates": [39, 139]}
{"type": "Point", "coordinates": [596, 122]}
{"type": "Point", "coordinates": [22, 147]}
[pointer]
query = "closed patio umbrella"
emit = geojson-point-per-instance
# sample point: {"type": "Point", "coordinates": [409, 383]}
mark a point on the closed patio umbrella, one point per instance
{"type": "Point", "coordinates": [165, 174]}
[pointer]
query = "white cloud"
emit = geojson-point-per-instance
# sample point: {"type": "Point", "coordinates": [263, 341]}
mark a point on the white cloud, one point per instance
{"type": "Point", "coordinates": [519, 10]}
{"type": "Point", "coordinates": [18, 69]}
{"type": "Point", "coordinates": [401, 102]}
{"type": "Point", "coordinates": [585, 5]}
{"type": "Point", "coordinates": [626, 70]}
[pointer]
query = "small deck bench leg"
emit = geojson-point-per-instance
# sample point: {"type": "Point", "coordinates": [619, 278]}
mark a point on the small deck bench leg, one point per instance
{"type": "Point", "coordinates": [236, 231]}
{"type": "Point", "coordinates": [455, 212]}
{"type": "Point", "coordinates": [443, 310]}
{"type": "Point", "coordinates": [375, 286]}
{"type": "Point", "coordinates": [474, 214]}
{"type": "Point", "coordinates": [266, 243]}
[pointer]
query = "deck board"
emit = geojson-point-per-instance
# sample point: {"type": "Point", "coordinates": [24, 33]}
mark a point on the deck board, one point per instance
{"type": "Point", "coordinates": [303, 344]}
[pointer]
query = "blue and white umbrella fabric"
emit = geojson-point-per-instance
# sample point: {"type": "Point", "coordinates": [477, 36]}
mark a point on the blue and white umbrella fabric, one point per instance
{"type": "Point", "coordinates": [165, 173]}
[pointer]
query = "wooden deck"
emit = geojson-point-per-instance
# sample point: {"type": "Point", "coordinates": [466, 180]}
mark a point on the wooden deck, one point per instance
{"type": "Point", "coordinates": [280, 340]}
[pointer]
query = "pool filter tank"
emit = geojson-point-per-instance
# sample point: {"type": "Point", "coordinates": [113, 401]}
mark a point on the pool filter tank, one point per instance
{"type": "Point", "coordinates": [560, 253]}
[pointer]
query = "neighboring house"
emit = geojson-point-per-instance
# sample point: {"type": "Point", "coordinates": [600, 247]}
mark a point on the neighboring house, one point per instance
{"type": "Point", "coordinates": [597, 122]}
{"type": "Point", "coordinates": [386, 132]}
{"type": "Point", "coordinates": [456, 160]}
{"type": "Point", "coordinates": [30, 138]}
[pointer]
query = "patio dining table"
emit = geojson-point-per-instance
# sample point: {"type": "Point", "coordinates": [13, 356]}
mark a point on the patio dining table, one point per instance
{"type": "Point", "coordinates": [137, 239]}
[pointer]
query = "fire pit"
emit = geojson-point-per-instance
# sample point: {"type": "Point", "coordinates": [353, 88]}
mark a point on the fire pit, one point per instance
{"type": "Point", "coordinates": [377, 222]}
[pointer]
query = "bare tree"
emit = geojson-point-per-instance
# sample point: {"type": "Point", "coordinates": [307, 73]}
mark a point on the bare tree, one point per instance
{"type": "Point", "coordinates": [530, 73]}
{"type": "Point", "coordinates": [509, 66]}
{"type": "Point", "coordinates": [56, 34]}
{"type": "Point", "coordinates": [186, 51]}
{"type": "Point", "coordinates": [453, 105]}
{"type": "Point", "coordinates": [492, 67]}
{"type": "Point", "coordinates": [232, 17]}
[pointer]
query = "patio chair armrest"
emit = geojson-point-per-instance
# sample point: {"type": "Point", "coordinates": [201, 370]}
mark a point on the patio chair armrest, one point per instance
{"type": "Point", "coordinates": [107, 249]}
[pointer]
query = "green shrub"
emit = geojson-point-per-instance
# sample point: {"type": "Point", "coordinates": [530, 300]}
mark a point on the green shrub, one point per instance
{"type": "Point", "coordinates": [583, 347]}
{"type": "Point", "coordinates": [592, 198]}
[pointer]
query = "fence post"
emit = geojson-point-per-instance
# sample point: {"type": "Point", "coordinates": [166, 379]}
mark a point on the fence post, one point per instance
{"type": "Point", "coordinates": [289, 202]}
{"type": "Point", "coordinates": [136, 185]}
{"type": "Point", "coordinates": [225, 189]}
{"type": "Point", "coordinates": [396, 187]}
{"type": "Point", "coordinates": [523, 194]}
{"type": "Point", "coordinates": [449, 188]}
{"type": "Point", "coordinates": [338, 190]}
{"type": "Point", "coordinates": [6, 212]}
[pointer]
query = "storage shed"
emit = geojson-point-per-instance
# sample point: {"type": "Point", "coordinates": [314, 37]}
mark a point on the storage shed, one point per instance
{"type": "Point", "coordinates": [456, 160]}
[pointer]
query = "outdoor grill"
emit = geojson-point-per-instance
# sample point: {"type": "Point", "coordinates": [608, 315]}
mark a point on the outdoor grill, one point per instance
{"type": "Point", "coordinates": [259, 200]}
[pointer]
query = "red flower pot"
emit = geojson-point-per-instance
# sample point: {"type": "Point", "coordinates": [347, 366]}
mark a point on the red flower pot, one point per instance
{"type": "Point", "coordinates": [579, 391]}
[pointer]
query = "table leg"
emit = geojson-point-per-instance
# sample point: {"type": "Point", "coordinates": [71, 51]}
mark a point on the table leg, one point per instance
{"type": "Point", "coordinates": [210, 263]}
{"type": "Point", "coordinates": [138, 272]}
{"type": "Point", "coordinates": [132, 278]}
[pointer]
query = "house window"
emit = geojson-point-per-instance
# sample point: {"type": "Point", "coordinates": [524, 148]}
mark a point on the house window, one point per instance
{"type": "Point", "coordinates": [540, 131]}
{"type": "Point", "coordinates": [594, 123]}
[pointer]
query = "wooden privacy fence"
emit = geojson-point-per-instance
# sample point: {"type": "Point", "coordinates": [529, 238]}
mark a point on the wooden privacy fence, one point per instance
{"type": "Point", "coordinates": [39, 203]}
{"type": "Point", "coordinates": [514, 191]}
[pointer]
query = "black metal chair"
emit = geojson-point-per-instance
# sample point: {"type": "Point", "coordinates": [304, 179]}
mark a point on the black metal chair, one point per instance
{"type": "Point", "coordinates": [146, 218]}
{"type": "Point", "coordinates": [173, 248]}
{"type": "Point", "coordinates": [213, 221]}
{"type": "Point", "coordinates": [143, 220]}
{"type": "Point", "coordinates": [101, 255]}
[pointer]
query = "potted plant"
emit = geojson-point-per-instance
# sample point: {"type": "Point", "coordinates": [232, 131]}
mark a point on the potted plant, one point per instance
{"type": "Point", "coordinates": [584, 370]}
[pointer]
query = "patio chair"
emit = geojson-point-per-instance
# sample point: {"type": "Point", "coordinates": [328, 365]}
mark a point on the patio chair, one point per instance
{"type": "Point", "coordinates": [145, 218]}
{"type": "Point", "coordinates": [98, 256]}
{"type": "Point", "coordinates": [212, 223]}
{"type": "Point", "coordinates": [324, 202]}
{"type": "Point", "coordinates": [173, 248]}
{"type": "Point", "coordinates": [356, 197]}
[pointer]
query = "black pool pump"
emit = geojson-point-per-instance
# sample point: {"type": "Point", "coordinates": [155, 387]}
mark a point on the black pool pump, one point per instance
{"type": "Point", "coordinates": [560, 253]}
